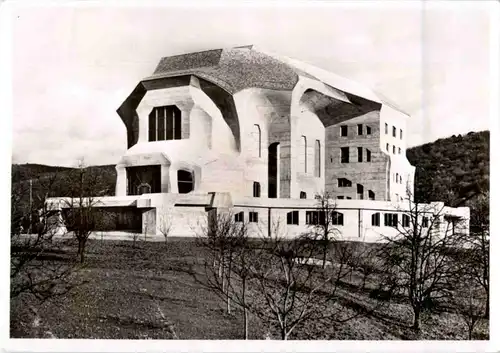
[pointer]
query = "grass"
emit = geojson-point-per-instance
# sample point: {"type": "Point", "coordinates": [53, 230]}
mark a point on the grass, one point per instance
{"type": "Point", "coordinates": [147, 293]}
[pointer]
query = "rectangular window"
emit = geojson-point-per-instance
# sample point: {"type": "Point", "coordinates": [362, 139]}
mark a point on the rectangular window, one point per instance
{"type": "Point", "coordinates": [371, 195]}
{"type": "Point", "coordinates": [368, 130]}
{"type": "Point", "coordinates": [344, 183]}
{"type": "Point", "coordinates": [315, 217]}
{"type": "Point", "coordinates": [386, 128]}
{"type": "Point", "coordinates": [387, 147]}
{"type": "Point", "coordinates": [393, 131]}
{"type": "Point", "coordinates": [254, 217]}
{"type": "Point", "coordinates": [425, 222]}
{"type": "Point", "coordinates": [376, 219]}
{"type": "Point", "coordinates": [239, 217]}
{"type": "Point", "coordinates": [360, 129]}
{"type": "Point", "coordinates": [401, 134]}
{"type": "Point", "coordinates": [349, 198]}
{"type": "Point", "coordinates": [340, 197]}
{"type": "Point", "coordinates": [391, 220]}
{"type": "Point", "coordinates": [161, 125]}
{"type": "Point", "coordinates": [292, 217]}
{"type": "Point", "coordinates": [368, 155]}
{"type": "Point", "coordinates": [317, 162]}
{"type": "Point", "coordinates": [343, 130]}
{"type": "Point", "coordinates": [406, 221]}
{"type": "Point", "coordinates": [360, 191]}
{"type": "Point", "coordinates": [360, 154]}
{"type": "Point", "coordinates": [393, 149]}
{"type": "Point", "coordinates": [337, 218]}
{"type": "Point", "coordinates": [152, 126]}
{"type": "Point", "coordinates": [256, 189]}
{"type": "Point", "coordinates": [344, 154]}
{"type": "Point", "coordinates": [399, 150]}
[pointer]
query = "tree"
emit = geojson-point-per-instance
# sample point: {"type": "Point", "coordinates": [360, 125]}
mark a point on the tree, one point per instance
{"type": "Point", "coordinates": [166, 226]}
{"type": "Point", "coordinates": [419, 257]}
{"type": "Point", "coordinates": [323, 229]}
{"type": "Point", "coordinates": [469, 304]}
{"type": "Point", "coordinates": [81, 206]}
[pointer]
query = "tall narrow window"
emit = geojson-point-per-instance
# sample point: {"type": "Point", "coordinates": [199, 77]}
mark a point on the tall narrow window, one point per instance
{"type": "Point", "coordinates": [303, 153]}
{"type": "Point", "coordinates": [387, 147]}
{"type": "Point", "coordinates": [397, 177]}
{"type": "Point", "coordinates": [360, 129]}
{"type": "Point", "coordinates": [344, 154]}
{"type": "Point", "coordinates": [425, 222]}
{"type": "Point", "coordinates": [368, 130]}
{"type": "Point", "coordinates": [292, 217]}
{"type": "Point", "coordinates": [400, 179]}
{"type": "Point", "coordinates": [371, 195]}
{"type": "Point", "coordinates": [165, 124]}
{"type": "Point", "coordinates": [406, 221]}
{"type": "Point", "coordinates": [337, 218]}
{"type": "Point", "coordinates": [393, 149]}
{"type": "Point", "coordinates": [253, 217]}
{"type": "Point", "coordinates": [386, 128]}
{"type": "Point", "coordinates": [360, 154]}
{"type": "Point", "coordinates": [399, 150]}
{"type": "Point", "coordinates": [393, 131]}
{"type": "Point", "coordinates": [343, 130]}
{"type": "Point", "coordinates": [360, 191]}
{"type": "Point", "coordinates": [368, 155]}
{"type": "Point", "coordinates": [185, 181]}
{"type": "Point", "coordinates": [401, 134]}
{"type": "Point", "coordinates": [256, 189]}
{"type": "Point", "coordinates": [317, 157]}
{"type": "Point", "coordinates": [257, 140]}
{"type": "Point", "coordinates": [376, 219]}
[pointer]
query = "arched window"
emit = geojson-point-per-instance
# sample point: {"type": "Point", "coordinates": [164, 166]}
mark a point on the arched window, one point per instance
{"type": "Point", "coordinates": [185, 181]}
{"type": "Point", "coordinates": [317, 159]}
{"type": "Point", "coordinates": [257, 140]}
{"type": "Point", "coordinates": [256, 189]}
{"type": "Point", "coordinates": [303, 153]}
{"type": "Point", "coordinates": [165, 123]}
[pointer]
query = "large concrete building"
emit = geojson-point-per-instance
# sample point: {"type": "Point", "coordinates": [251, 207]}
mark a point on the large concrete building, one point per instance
{"type": "Point", "coordinates": [246, 131]}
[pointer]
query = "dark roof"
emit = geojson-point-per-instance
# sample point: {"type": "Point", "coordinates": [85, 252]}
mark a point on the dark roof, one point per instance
{"type": "Point", "coordinates": [233, 69]}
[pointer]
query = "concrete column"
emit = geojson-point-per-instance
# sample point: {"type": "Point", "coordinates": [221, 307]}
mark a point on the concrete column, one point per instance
{"type": "Point", "coordinates": [165, 178]}
{"type": "Point", "coordinates": [174, 188]}
{"type": "Point", "coordinates": [121, 181]}
{"type": "Point", "coordinates": [278, 171]}
{"type": "Point", "coordinates": [149, 221]}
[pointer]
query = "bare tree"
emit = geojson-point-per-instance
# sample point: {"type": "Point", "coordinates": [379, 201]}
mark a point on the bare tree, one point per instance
{"type": "Point", "coordinates": [166, 225]}
{"type": "Point", "coordinates": [322, 223]}
{"type": "Point", "coordinates": [469, 304]}
{"type": "Point", "coordinates": [419, 256]}
{"type": "Point", "coordinates": [81, 208]}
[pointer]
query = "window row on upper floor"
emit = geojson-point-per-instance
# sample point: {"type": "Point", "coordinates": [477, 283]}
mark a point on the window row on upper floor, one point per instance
{"type": "Point", "coordinates": [387, 148]}
{"type": "Point", "coordinates": [394, 131]}
{"type": "Point", "coordinates": [361, 129]}
{"type": "Point", "coordinates": [362, 157]}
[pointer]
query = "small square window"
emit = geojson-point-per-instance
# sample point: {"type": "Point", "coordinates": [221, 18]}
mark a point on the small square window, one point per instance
{"type": "Point", "coordinates": [292, 217]}
{"type": "Point", "coordinates": [254, 217]}
{"type": "Point", "coordinates": [399, 150]}
{"type": "Point", "coordinates": [343, 130]}
{"type": "Point", "coordinates": [239, 217]}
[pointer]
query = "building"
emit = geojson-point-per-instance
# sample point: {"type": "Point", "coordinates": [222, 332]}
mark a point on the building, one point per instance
{"type": "Point", "coordinates": [244, 131]}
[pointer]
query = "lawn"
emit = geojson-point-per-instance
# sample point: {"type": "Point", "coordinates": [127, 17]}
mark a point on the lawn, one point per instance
{"type": "Point", "coordinates": [147, 292]}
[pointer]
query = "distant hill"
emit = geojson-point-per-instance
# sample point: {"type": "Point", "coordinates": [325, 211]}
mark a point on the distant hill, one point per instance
{"type": "Point", "coordinates": [455, 170]}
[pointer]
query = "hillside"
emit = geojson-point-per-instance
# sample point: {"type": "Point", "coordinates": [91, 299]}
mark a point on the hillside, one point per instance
{"type": "Point", "coordinates": [454, 170]}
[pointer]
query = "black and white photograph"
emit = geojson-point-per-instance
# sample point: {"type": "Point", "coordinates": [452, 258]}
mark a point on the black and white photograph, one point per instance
{"type": "Point", "coordinates": [266, 171]}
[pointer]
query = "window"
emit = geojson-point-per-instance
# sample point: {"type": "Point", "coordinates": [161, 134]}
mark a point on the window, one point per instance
{"type": "Point", "coordinates": [393, 131]}
{"type": "Point", "coordinates": [344, 154]}
{"type": "Point", "coordinates": [386, 128]}
{"type": "Point", "coordinates": [303, 153]}
{"type": "Point", "coordinates": [340, 197]}
{"type": "Point", "coordinates": [400, 179]}
{"type": "Point", "coordinates": [397, 197]}
{"type": "Point", "coordinates": [315, 217]}
{"type": "Point", "coordinates": [376, 219]}
{"type": "Point", "coordinates": [344, 183]}
{"type": "Point", "coordinates": [406, 221]}
{"type": "Point", "coordinates": [349, 198]}
{"type": "Point", "coordinates": [254, 217]}
{"type": "Point", "coordinates": [343, 130]}
{"type": "Point", "coordinates": [425, 222]}
{"type": "Point", "coordinates": [303, 195]}
{"type": "Point", "coordinates": [360, 191]}
{"type": "Point", "coordinates": [360, 129]}
{"type": "Point", "coordinates": [391, 220]}
{"type": "Point", "coordinates": [292, 217]}
{"type": "Point", "coordinates": [317, 157]}
{"type": "Point", "coordinates": [185, 181]}
{"type": "Point", "coordinates": [371, 195]}
{"type": "Point", "coordinates": [256, 189]}
{"type": "Point", "coordinates": [393, 149]}
{"type": "Point", "coordinates": [399, 150]}
{"type": "Point", "coordinates": [239, 217]}
{"type": "Point", "coordinates": [368, 130]}
{"type": "Point", "coordinates": [397, 178]}
{"type": "Point", "coordinates": [165, 123]}
{"type": "Point", "coordinates": [360, 154]}
{"type": "Point", "coordinates": [337, 218]}
{"type": "Point", "coordinates": [257, 140]}
{"type": "Point", "coordinates": [368, 155]}
{"type": "Point", "coordinates": [387, 147]}
{"type": "Point", "coordinates": [401, 134]}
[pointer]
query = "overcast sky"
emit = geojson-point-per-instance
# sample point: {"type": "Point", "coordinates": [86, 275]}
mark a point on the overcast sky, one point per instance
{"type": "Point", "coordinates": [73, 66]}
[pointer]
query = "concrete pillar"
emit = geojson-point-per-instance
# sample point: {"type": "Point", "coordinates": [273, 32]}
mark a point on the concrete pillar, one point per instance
{"type": "Point", "coordinates": [121, 181]}
{"type": "Point", "coordinates": [174, 188]}
{"type": "Point", "coordinates": [149, 221]}
{"type": "Point", "coordinates": [165, 178]}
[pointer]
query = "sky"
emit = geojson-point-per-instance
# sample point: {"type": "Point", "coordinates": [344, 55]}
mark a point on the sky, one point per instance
{"type": "Point", "coordinates": [72, 66]}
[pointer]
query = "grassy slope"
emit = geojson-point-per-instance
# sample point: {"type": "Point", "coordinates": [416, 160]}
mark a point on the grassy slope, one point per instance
{"type": "Point", "coordinates": [126, 287]}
